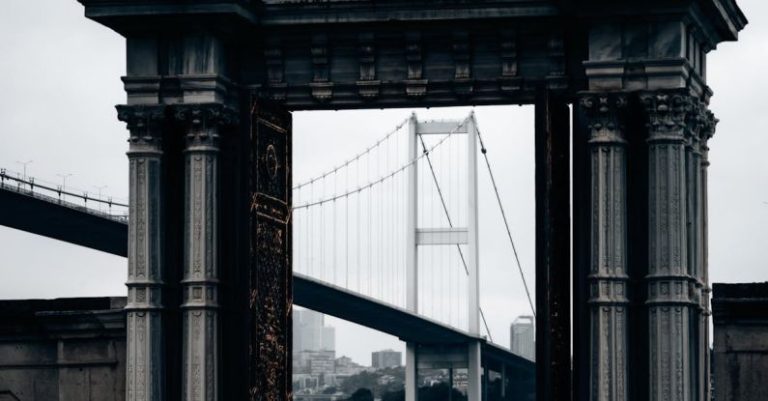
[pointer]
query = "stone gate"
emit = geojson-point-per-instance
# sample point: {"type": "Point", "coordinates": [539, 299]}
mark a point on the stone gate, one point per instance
{"type": "Point", "coordinates": [210, 86]}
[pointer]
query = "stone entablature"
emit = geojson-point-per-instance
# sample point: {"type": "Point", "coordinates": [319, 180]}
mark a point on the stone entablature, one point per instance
{"type": "Point", "coordinates": [357, 54]}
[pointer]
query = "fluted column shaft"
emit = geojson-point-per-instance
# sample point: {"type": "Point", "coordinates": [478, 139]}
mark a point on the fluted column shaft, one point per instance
{"type": "Point", "coordinates": [707, 130]}
{"type": "Point", "coordinates": [200, 283]}
{"type": "Point", "coordinates": [674, 283]}
{"type": "Point", "coordinates": [608, 275]}
{"type": "Point", "coordinates": [695, 237]}
{"type": "Point", "coordinates": [145, 315]}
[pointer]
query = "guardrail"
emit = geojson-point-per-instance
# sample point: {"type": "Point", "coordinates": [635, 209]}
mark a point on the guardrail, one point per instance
{"type": "Point", "coordinates": [117, 211]}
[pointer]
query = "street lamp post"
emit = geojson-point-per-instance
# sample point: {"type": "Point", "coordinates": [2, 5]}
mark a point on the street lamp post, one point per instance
{"type": "Point", "coordinates": [24, 168]}
{"type": "Point", "coordinates": [64, 184]}
{"type": "Point", "coordinates": [99, 188]}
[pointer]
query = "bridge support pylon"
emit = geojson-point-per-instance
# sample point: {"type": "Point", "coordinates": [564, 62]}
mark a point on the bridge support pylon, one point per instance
{"type": "Point", "coordinates": [463, 356]}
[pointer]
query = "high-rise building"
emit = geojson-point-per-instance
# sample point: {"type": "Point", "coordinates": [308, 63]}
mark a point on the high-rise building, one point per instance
{"type": "Point", "coordinates": [386, 359]}
{"type": "Point", "coordinates": [521, 337]}
{"type": "Point", "coordinates": [314, 347]}
{"type": "Point", "coordinates": [329, 339]}
{"type": "Point", "coordinates": [310, 332]}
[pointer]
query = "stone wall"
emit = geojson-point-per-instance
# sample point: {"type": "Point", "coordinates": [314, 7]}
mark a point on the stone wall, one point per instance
{"type": "Point", "coordinates": [62, 349]}
{"type": "Point", "coordinates": [740, 315]}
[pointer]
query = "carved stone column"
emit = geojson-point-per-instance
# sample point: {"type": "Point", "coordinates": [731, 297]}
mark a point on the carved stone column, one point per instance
{"type": "Point", "coordinates": [695, 268]}
{"type": "Point", "coordinates": [671, 283]}
{"type": "Point", "coordinates": [608, 277]}
{"type": "Point", "coordinates": [700, 124]}
{"type": "Point", "coordinates": [706, 132]}
{"type": "Point", "coordinates": [200, 285]}
{"type": "Point", "coordinates": [145, 316]}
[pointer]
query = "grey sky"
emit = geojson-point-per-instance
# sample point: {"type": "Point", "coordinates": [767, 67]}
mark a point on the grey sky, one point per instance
{"type": "Point", "coordinates": [60, 80]}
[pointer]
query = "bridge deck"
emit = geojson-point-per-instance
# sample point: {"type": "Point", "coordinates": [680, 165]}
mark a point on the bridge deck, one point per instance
{"type": "Point", "coordinates": [33, 213]}
{"type": "Point", "coordinates": [66, 223]}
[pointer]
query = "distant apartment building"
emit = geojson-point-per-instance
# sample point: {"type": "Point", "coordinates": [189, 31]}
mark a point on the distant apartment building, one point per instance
{"type": "Point", "coordinates": [321, 362]}
{"type": "Point", "coordinates": [329, 339]}
{"type": "Point", "coordinates": [310, 332]}
{"type": "Point", "coordinates": [345, 366]}
{"type": "Point", "coordinates": [314, 350]}
{"type": "Point", "coordinates": [521, 337]}
{"type": "Point", "coordinates": [386, 359]}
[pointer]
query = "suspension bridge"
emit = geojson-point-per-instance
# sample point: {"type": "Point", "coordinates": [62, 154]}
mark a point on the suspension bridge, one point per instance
{"type": "Point", "coordinates": [387, 239]}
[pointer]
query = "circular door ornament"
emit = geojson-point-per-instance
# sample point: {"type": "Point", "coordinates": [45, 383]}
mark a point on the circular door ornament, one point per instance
{"type": "Point", "coordinates": [271, 162]}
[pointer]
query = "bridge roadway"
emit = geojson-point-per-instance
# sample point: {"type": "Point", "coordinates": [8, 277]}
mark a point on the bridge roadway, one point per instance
{"type": "Point", "coordinates": [75, 224]}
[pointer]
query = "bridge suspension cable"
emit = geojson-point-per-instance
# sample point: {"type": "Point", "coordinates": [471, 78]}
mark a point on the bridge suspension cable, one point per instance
{"type": "Point", "coordinates": [367, 218]}
{"type": "Point", "coordinates": [355, 158]}
{"type": "Point", "coordinates": [362, 247]}
{"type": "Point", "coordinates": [484, 151]}
{"type": "Point", "coordinates": [450, 221]}
{"type": "Point", "coordinates": [381, 178]}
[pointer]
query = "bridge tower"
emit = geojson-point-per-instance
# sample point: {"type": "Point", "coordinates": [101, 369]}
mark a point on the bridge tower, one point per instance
{"type": "Point", "coordinates": [458, 355]}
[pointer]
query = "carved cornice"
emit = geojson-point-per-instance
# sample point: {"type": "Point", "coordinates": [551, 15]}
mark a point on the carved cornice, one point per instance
{"type": "Point", "coordinates": [509, 80]}
{"type": "Point", "coordinates": [368, 86]}
{"type": "Point", "coordinates": [143, 122]}
{"type": "Point", "coordinates": [605, 114]}
{"type": "Point", "coordinates": [415, 85]}
{"type": "Point", "coordinates": [462, 60]}
{"type": "Point", "coordinates": [202, 122]}
{"type": "Point", "coordinates": [275, 67]}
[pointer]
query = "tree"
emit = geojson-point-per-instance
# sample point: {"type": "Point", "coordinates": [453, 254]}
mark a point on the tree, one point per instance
{"type": "Point", "coordinates": [439, 392]}
{"type": "Point", "coordinates": [329, 390]}
{"type": "Point", "coordinates": [361, 394]}
{"type": "Point", "coordinates": [372, 380]}
{"type": "Point", "coordinates": [398, 395]}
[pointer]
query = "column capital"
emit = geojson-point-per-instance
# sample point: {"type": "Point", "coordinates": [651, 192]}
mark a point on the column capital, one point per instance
{"type": "Point", "coordinates": [709, 122]}
{"type": "Point", "coordinates": [205, 115]}
{"type": "Point", "coordinates": [605, 112]}
{"type": "Point", "coordinates": [671, 114]}
{"type": "Point", "coordinates": [202, 121]}
{"type": "Point", "coordinates": [143, 121]}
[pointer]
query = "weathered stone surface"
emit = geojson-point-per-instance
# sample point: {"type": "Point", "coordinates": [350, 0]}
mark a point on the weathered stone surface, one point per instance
{"type": "Point", "coordinates": [63, 349]}
{"type": "Point", "coordinates": [646, 231]}
{"type": "Point", "coordinates": [270, 287]}
{"type": "Point", "coordinates": [608, 274]}
{"type": "Point", "coordinates": [313, 55]}
{"type": "Point", "coordinates": [740, 316]}
{"type": "Point", "coordinates": [146, 318]}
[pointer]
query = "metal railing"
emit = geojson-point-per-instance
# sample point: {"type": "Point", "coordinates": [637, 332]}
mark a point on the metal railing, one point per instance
{"type": "Point", "coordinates": [117, 211]}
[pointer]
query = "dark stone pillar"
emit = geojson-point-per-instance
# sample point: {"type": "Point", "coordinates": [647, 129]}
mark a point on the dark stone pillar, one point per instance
{"type": "Point", "coordinates": [705, 134]}
{"type": "Point", "coordinates": [271, 282]}
{"type": "Point", "coordinates": [553, 306]}
{"type": "Point", "coordinates": [202, 126]}
{"type": "Point", "coordinates": [146, 308]}
{"type": "Point", "coordinates": [608, 276]}
{"type": "Point", "coordinates": [677, 276]}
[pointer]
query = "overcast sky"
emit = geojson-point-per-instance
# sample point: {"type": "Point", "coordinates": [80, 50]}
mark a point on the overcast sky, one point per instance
{"type": "Point", "coordinates": [59, 82]}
